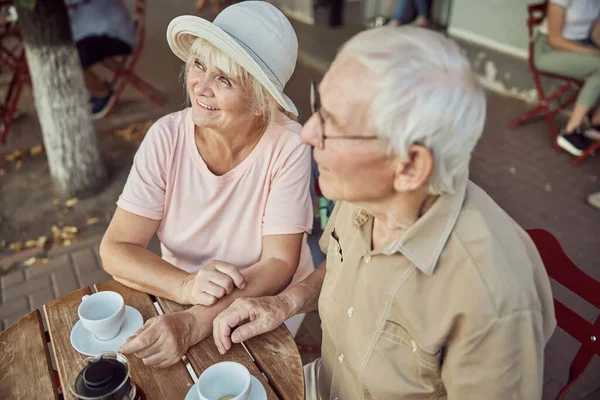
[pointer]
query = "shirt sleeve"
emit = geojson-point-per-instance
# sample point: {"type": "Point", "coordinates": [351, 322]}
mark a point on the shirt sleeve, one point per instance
{"type": "Point", "coordinates": [324, 241]}
{"type": "Point", "coordinates": [503, 361]}
{"type": "Point", "coordinates": [144, 191]}
{"type": "Point", "coordinates": [289, 206]}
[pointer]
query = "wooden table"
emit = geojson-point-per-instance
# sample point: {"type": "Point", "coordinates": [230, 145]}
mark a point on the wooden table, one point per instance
{"type": "Point", "coordinates": [26, 370]}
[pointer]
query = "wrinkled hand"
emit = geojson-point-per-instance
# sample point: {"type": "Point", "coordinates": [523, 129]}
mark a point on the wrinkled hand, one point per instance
{"type": "Point", "coordinates": [251, 316]}
{"type": "Point", "coordinates": [214, 280]}
{"type": "Point", "coordinates": [163, 339]}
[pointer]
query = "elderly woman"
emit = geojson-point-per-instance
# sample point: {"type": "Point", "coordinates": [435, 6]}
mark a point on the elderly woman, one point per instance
{"type": "Point", "coordinates": [569, 44]}
{"type": "Point", "coordinates": [223, 183]}
{"type": "Point", "coordinates": [429, 289]}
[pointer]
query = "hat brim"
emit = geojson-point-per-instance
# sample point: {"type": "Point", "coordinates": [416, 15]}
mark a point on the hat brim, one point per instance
{"type": "Point", "coordinates": [182, 32]}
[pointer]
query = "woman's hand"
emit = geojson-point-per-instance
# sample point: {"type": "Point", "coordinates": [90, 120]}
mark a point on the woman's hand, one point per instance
{"type": "Point", "coordinates": [252, 317]}
{"type": "Point", "coordinates": [164, 339]}
{"type": "Point", "coordinates": [214, 280]}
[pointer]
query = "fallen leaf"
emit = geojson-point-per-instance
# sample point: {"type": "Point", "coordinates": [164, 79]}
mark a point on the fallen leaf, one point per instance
{"type": "Point", "coordinates": [2, 172]}
{"type": "Point", "coordinates": [30, 243]}
{"type": "Point", "coordinates": [70, 229]}
{"type": "Point", "coordinates": [18, 165]}
{"type": "Point", "coordinates": [66, 242]}
{"type": "Point", "coordinates": [35, 150]}
{"type": "Point", "coordinates": [71, 202]}
{"type": "Point", "coordinates": [92, 221]}
{"type": "Point", "coordinates": [66, 235]}
{"type": "Point", "coordinates": [29, 262]}
{"type": "Point", "coordinates": [62, 212]}
{"type": "Point", "coordinates": [548, 187]}
{"type": "Point", "coordinates": [2, 243]}
{"type": "Point", "coordinates": [16, 246]}
{"type": "Point", "coordinates": [11, 157]}
{"type": "Point", "coordinates": [512, 170]}
{"type": "Point", "coordinates": [594, 178]}
{"type": "Point", "coordinates": [55, 232]}
{"type": "Point", "coordinates": [42, 241]}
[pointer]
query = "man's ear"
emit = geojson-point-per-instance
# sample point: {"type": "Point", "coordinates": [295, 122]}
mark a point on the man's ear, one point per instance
{"type": "Point", "coordinates": [414, 172]}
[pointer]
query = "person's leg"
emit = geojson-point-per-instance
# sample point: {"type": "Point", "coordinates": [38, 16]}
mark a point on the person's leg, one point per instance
{"type": "Point", "coordinates": [399, 12]}
{"type": "Point", "coordinates": [422, 7]}
{"type": "Point", "coordinates": [311, 374]}
{"type": "Point", "coordinates": [94, 85]}
{"type": "Point", "coordinates": [577, 65]}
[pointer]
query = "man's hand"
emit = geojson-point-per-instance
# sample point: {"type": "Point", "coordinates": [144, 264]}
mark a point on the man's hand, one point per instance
{"type": "Point", "coordinates": [214, 280]}
{"type": "Point", "coordinates": [164, 339]}
{"type": "Point", "coordinates": [252, 317]}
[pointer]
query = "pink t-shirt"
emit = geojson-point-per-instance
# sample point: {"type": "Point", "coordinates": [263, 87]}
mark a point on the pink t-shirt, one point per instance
{"type": "Point", "coordinates": [206, 217]}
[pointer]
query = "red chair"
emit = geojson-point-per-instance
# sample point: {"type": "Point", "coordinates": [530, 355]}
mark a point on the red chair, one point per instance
{"type": "Point", "coordinates": [536, 14]}
{"type": "Point", "coordinates": [123, 68]}
{"type": "Point", "coordinates": [12, 57]}
{"type": "Point", "coordinates": [564, 271]}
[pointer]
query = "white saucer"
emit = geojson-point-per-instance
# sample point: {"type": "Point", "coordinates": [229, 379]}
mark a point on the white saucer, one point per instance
{"type": "Point", "coordinates": [86, 343]}
{"type": "Point", "coordinates": [257, 391]}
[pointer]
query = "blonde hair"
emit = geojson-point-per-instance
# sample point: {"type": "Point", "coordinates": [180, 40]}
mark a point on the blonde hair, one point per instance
{"type": "Point", "coordinates": [261, 99]}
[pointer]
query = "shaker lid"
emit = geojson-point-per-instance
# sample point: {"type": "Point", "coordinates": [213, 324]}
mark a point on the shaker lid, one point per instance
{"type": "Point", "coordinates": [100, 378]}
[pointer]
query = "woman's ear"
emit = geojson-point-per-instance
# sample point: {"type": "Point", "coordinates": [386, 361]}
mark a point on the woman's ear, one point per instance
{"type": "Point", "coordinates": [414, 172]}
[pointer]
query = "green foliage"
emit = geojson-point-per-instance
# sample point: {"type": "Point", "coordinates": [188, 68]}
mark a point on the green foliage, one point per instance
{"type": "Point", "coordinates": [28, 4]}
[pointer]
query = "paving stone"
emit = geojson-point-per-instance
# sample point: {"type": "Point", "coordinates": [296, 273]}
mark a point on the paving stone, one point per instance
{"type": "Point", "coordinates": [23, 289]}
{"type": "Point", "coordinates": [52, 265]}
{"type": "Point", "coordinates": [64, 281]}
{"type": "Point", "coordinates": [95, 277]}
{"type": "Point", "coordinates": [12, 279]}
{"type": "Point", "coordinates": [18, 306]}
{"type": "Point", "coordinates": [85, 262]}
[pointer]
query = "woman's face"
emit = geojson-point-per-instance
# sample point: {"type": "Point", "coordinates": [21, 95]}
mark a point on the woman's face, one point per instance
{"type": "Point", "coordinates": [219, 101]}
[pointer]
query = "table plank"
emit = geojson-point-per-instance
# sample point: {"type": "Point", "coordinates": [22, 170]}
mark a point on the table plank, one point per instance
{"type": "Point", "coordinates": [205, 353]}
{"type": "Point", "coordinates": [61, 316]}
{"type": "Point", "coordinates": [277, 355]}
{"type": "Point", "coordinates": [165, 383]}
{"type": "Point", "coordinates": [25, 368]}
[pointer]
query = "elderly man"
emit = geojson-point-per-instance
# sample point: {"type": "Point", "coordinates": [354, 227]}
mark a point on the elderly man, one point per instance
{"type": "Point", "coordinates": [429, 289]}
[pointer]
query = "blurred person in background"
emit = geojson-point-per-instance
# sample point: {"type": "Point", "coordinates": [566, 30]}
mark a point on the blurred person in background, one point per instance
{"type": "Point", "coordinates": [569, 44]}
{"type": "Point", "coordinates": [101, 29]}
{"type": "Point", "coordinates": [422, 9]}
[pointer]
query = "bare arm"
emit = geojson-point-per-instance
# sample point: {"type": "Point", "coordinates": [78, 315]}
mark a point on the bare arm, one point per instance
{"type": "Point", "coordinates": [125, 256]}
{"type": "Point", "coordinates": [164, 339]}
{"type": "Point", "coordinates": [595, 33]}
{"type": "Point", "coordinates": [556, 21]}
{"type": "Point", "coordinates": [275, 270]}
{"type": "Point", "coordinates": [266, 313]}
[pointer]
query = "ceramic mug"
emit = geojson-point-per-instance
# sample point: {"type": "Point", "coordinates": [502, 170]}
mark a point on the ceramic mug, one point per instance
{"type": "Point", "coordinates": [102, 314]}
{"type": "Point", "coordinates": [224, 381]}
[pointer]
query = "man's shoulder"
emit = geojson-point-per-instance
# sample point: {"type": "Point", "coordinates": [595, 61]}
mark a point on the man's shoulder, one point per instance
{"type": "Point", "coordinates": [493, 257]}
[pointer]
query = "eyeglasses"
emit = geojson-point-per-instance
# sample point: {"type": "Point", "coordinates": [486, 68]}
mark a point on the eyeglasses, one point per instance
{"type": "Point", "coordinates": [315, 106]}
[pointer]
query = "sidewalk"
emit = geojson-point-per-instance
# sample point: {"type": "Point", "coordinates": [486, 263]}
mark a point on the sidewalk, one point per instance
{"type": "Point", "coordinates": [520, 170]}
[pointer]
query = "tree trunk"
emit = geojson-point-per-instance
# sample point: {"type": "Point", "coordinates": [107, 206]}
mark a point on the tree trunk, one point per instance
{"type": "Point", "coordinates": [61, 99]}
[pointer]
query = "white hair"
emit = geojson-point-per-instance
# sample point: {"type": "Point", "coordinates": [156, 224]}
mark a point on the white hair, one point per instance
{"type": "Point", "coordinates": [261, 99]}
{"type": "Point", "coordinates": [425, 93]}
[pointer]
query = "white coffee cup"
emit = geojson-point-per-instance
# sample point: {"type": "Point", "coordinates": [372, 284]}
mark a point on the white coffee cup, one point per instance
{"type": "Point", "coordinates": [102, 314]}
{"type": "Point", "coordinates": [225, 379]}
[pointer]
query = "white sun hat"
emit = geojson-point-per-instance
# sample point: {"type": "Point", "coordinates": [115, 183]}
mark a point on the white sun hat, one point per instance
{"type": "Point", "coordinates": [255, 34]}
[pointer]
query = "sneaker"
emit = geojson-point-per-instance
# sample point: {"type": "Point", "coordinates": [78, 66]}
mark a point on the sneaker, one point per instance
{"type": "Point", "coordinates": [592, 132]}
{"type": "Point", "coordinates": [594, 200]}
{"type": "Point", "coordinates": [574, 142]}
{"type": "Point", "coordinates": [101, 105]}
{"type": "Point", "coordinates": [421, 21]}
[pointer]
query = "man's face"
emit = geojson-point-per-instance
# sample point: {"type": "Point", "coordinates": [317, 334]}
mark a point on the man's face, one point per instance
{"type": "Point", "coordinates": [356, 169]}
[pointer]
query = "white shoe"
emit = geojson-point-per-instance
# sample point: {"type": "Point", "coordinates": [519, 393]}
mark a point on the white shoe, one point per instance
{"type": "Point", "coordinates": [594, 200]}
{"type": "Point", "coordinates": [421, 21]}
